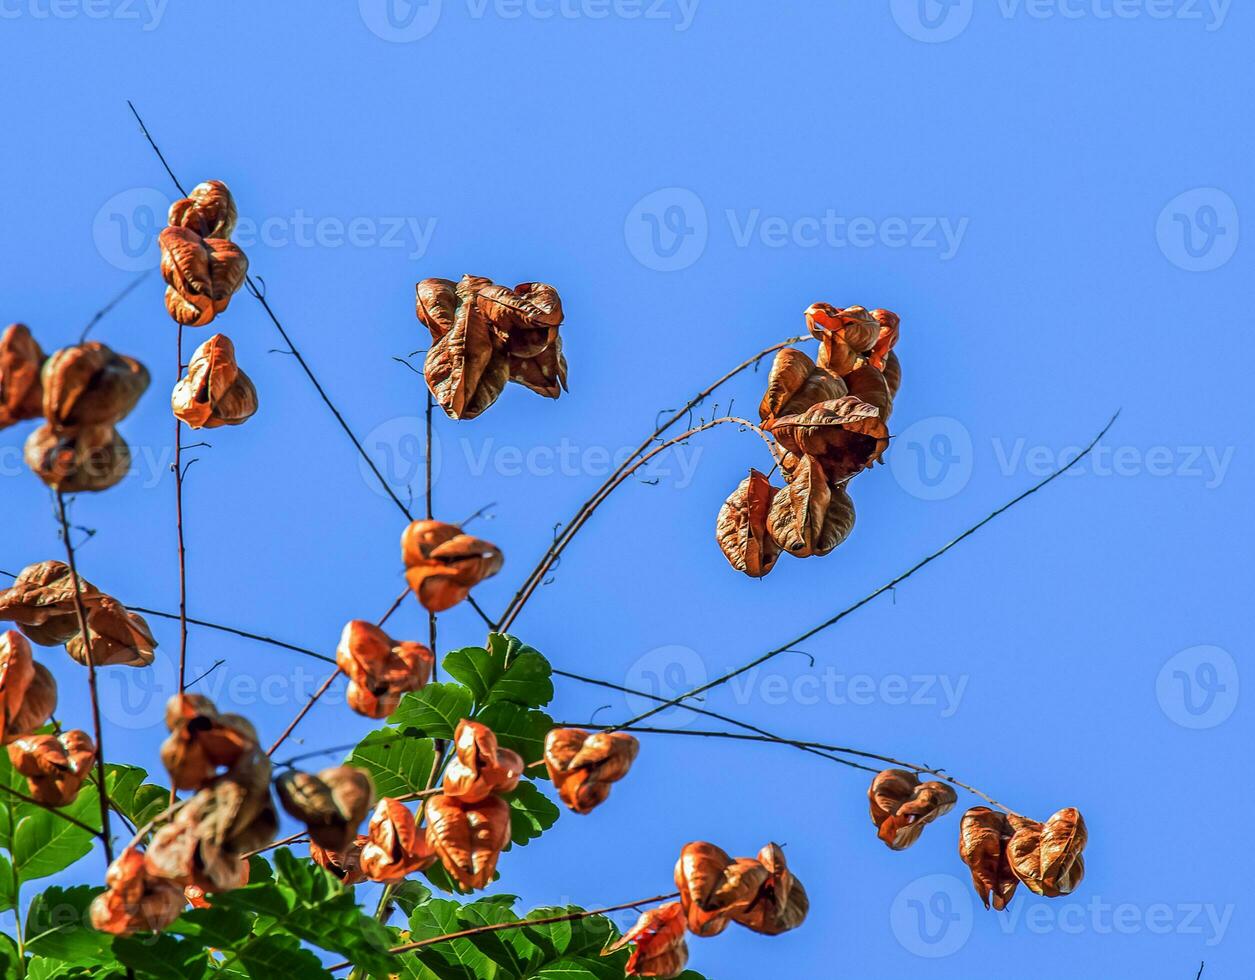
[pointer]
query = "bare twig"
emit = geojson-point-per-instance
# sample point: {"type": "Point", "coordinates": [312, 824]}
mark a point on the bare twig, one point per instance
{"type": "Point", "coordinates": [560, 542]}
{"type": "Point", "coordinates": [888, 586]}
{"type": "Point", "coordinates": [108, 307]}
{"type": "Point", "coordinates": [260, 295]}
{"type": "Point", "coordinates": [520, 924]}
{"type": "Point", "coordinates": [179, 473]}
{"type": "Point", "coordinates": [81, 612]}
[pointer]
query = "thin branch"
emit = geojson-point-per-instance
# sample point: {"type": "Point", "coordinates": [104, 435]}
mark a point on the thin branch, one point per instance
{"type": "Point", "coordinates": [260, 296]}
{"type": "Point", "coordinates": [328, 682]}
{"type": "Point", "coordinates": [108, 307]}
{"type": "Point", "coordinates": [270, 640]}
{"type": "Point", "coordinates": [549, 557]}
{"type": "Point", "coordinates": [520, 924]}
{"type": "Point", "coordinates": [888, 586]}
{"type": "Point", "coordinates": [51, 809]}
{"type": "Point", "coordinates": [81, 612]}
{"type": "Point", "coordinates": [179, 473]}
{"type": "Point", "coordinates": [607, 489]}
{"type": "Point", "coordinates": [291, 839]}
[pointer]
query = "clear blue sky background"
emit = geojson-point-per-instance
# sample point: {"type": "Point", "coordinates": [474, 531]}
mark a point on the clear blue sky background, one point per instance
{"type": "Point", "coordinates": [1052, 660]}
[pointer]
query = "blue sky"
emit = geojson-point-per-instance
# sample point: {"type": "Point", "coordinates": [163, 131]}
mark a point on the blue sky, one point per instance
{"type": "Point", "coordinates": [1049, 192]}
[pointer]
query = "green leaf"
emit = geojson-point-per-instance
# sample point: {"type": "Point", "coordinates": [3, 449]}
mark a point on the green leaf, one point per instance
{"type": "Point", "coordinates": [140, 801]}
{"type": "Point", "coordinates": [409, 894]}
{"type": "Point", "coordinates": [580, 937]}
{"type": "Point", "coordinates": [58, 926]}
{"type": "Point", "coordinates": [217, 925]}
{"type": "Point", "coordinates": [397, 762]}
{"type": "Point", "coordinates": [162, 956]}
{"type": "Point", "coordinates": [44, 844]}
{"type": "Point", "coordinates": [507, 671]}
{"type": "Point", "coordinates": [531, 813]}
{"type": "Point", "coordinates": [8, 885]}
{"type": "Point", "coordinates": [278, 955]}
{"type": "Point", "coordinates": [579, 968]}
{"type": "Point", "coordinates": [435, 710]}
{"type": "Point", "coordinates": [518, 728]}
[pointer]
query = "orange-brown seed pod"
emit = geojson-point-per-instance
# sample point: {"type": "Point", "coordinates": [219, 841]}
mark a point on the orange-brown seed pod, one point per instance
{"type": "Point", "coordinates": [395, 845]}
{"type": "Point", "coordinates": [380, 670]}
{"type": "Point", "coordinates": [901, 806]}
{"type": "Point", "coordinates": [480, 767]}
{"type": "Point", "coordinates": [661, 949]}
{"type": "Point", "coordinates": [583, 766]}
{"type": "Point", "coordinates": [741, 528]}
{"type": "Point", "coordinates": [468, 837]}
{"type": "Point", "coordinates": [443, 564]}
{"type": "Point", "coordinates": [983, 838]}
{"type": "Point", "coordinates": [21, 394]}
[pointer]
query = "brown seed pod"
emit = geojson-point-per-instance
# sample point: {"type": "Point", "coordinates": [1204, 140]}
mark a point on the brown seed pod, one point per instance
{"type": "Point", "coordinates": [468, 837]}
{"type": "Point", "coordinates": [395, 845]}
{"type": "Point", "coordinates": [795, 384]}
{"type": "Point", "coordinates": [781, 903]}
{"type": "Point", "coordinates": [197, 895]}
{"type": "Point", "coordinates": [983, 838]}
{"type": "Point", "coordinates": [332, 804]}
{"type": "Point", "coordinates": [846, 337]}
{"type": "Point", "coordinates": [54, 765]}
{"type": "Point", "coordinates": [741, 528]}
{"type": "Point", "coordinates": [83, 460]}
{"type": "Point", "coordinates": [1047, 857]}
{"type": "Point", "coordinates": [209, 210]}
{"type": "Point", "coordinates": [901, 806]}
{"type": "Point", "coordinates": [41, 602]}
{"type": "Point", "coordinates": [133, 901]}
{"type": "Point", "coordinates": [661, 948]}
{"type": "Point", "coordinates": [188, 852]}
{"type": "Point", "coordinates": [202, 741]}
{"type": "Point", "coordinates": [712, 886]}
{"type": "Point", "coordinates": [379, 668]}
{"type": "Point", "coordinates": [28, 691]}
{"type": "Point", "coordinates": [201, 274]}
{"type": "Point", "coordinates": [798, 513]}
{"type": "Point", "coordinates": [214, 392]}
{"type": "Point", "coordinates": [479, 767]}
{"type": "Point", "coordinates": [868, 384]}
{"type": "Point", "coordinates": [893, 374]}
{"type": "Point", "coordinates": [443, 564]}
{"type": "Point", "coordinates": [584, 766]}
{"type": "Point", "coordinates": [117, 636]}
{"type": "Point", "coordinates": [346, 865]}
{"type": "Point", "coordinates": [484, 335]}
{"type": "Point", "coordinates": [88, 384]}
{"type": "Point", "coordinates": [21, 393]}
{"type": "Point", "coordinates": [846, 435]}
{"type": "Point", "coordinates": [234, 813]}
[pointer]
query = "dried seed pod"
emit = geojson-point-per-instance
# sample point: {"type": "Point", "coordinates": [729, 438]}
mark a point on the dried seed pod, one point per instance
{"type": "Point", "coordinates": [712, 886]}
{"type": "Point", "coordinates": [781, 903]}
{"type": "Point", "coordinates": [88, 384]}
{"type": "Point", "coordinates": [214, 392]}
{"type": "Point", "coordinates": [21, 394]}
{"type": "Point", "coordinates": [868, 384]}
{"type": "Point", "coordinates": [890, 326]}
{"type": "Point", "coordinates": [798, 513]}
{"type": "Point", "coordinates": [661, 949]}
{"type": "Point", "coordinates": [846, 337]}
{"type": "Point", "coordinates": [202, 741]}
{"type": "Point", "coordinates": [117, 636]}
{"type": "Point", "coordinates": [468, 837]}
{"type": "Point", "coordinates": [54, 765]}
{"type": "Point", "coordinates": [41, 602]}
{"type": "Point", "coordinates": [479, 767]}
{"type": "Point", "coordinates": [584, 766]}
{"type": "Point", "coordinates": [196, 895]}
{"type": "Point", "coordinates": [797, 383]}
{"type": "Point", "coordinates": [983, 838]}
{"type": "Point", "coordinates": [332, 804]}
{"type": "Point", "coordinates": [443, 564]}
{"type": "Point", "coordinates": [234, 813]}
{"type": "Point", "coordinates": [28, 692]}
{"type": "Point", "coordinates": [201, 274]}
{"type": "Point", "coordinates": [209, 210]}
{"type": "Point", "coordinates": [1047, 857]}
{"type": "Point", "coordinates": [183, 853]}
{"type": "Point", "coordinates": [846, 435]}
{"type": "Point", "coordinates": [345, 865]}
{"type": "Point", "coordinates": [741, 528]}
{"type": "Point", "coordinates": [395, 845]}
{"type": "Point", "coordinates": [82, 460]}
{"type": "Point", "coordinates": [133, 901]}
{"type": "Point", "coordinates": [901, 806]}
{"type": "Point", "coordinates": [838, 520]}
{"type": "Point", "coordinates": [379, 668]}
{"type": "Point", "coordinates": [484, 335]}
{"type": "Point", "coordinates": [893, 374]}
